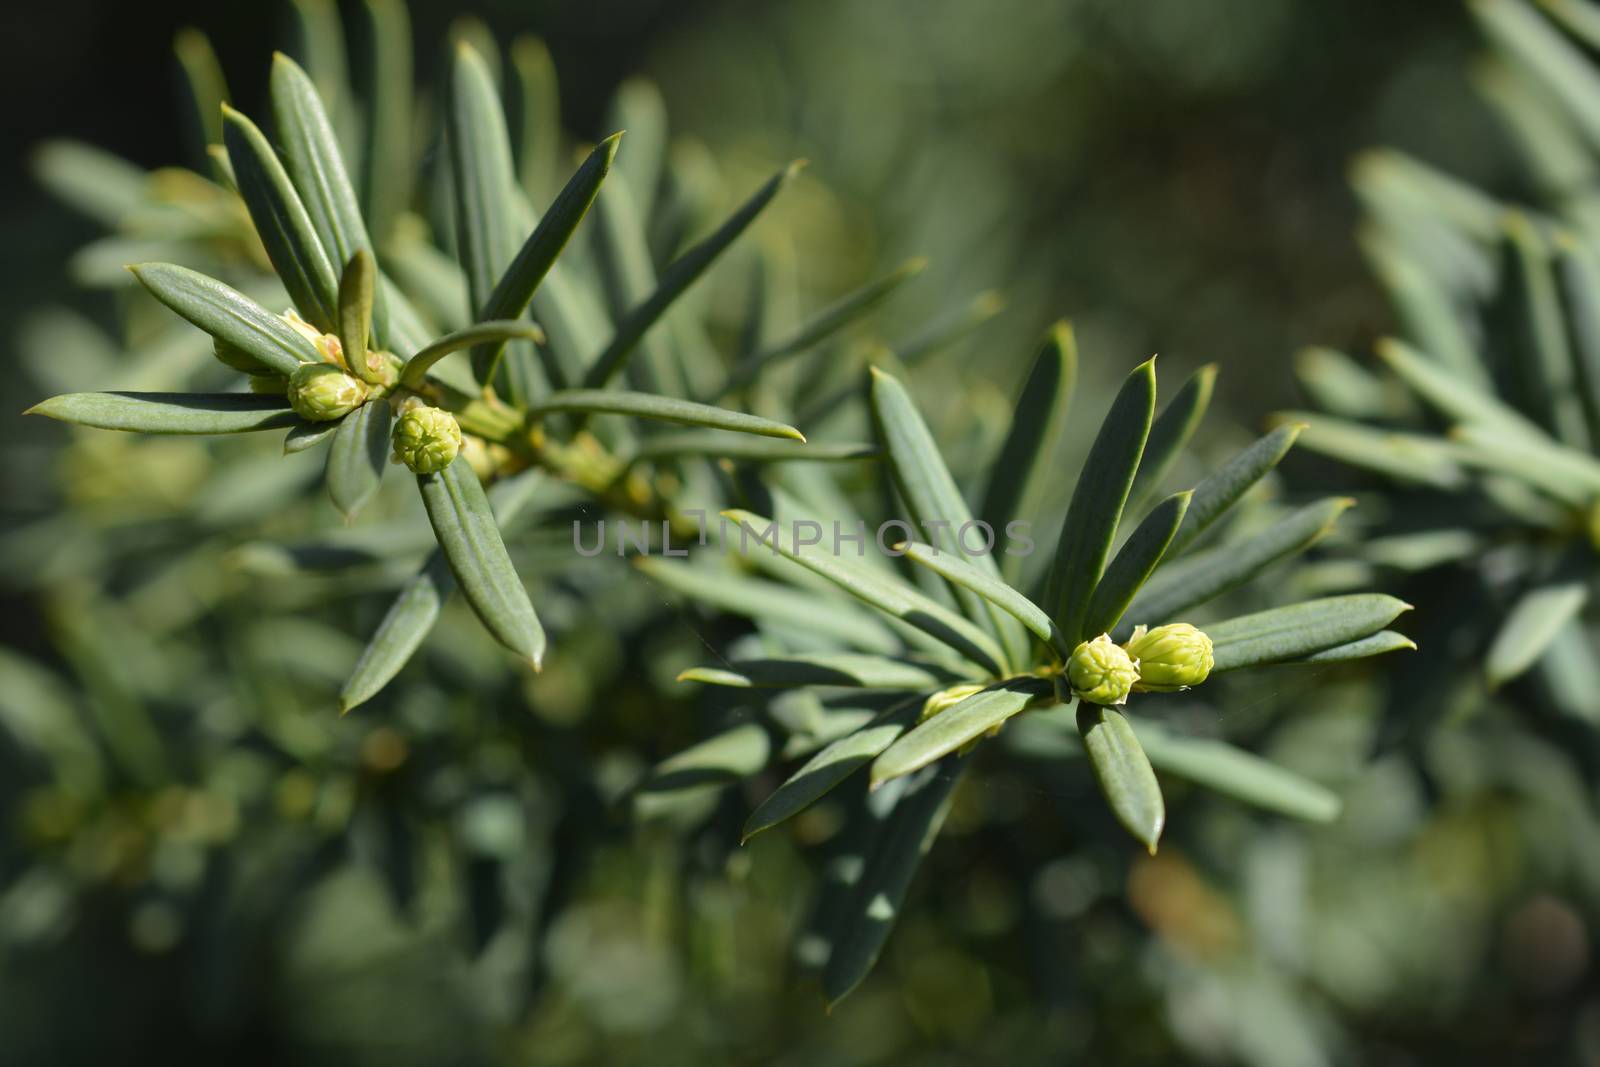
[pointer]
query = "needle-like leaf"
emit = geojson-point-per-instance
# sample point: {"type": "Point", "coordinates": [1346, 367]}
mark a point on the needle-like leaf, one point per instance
{"type": "Point", "coordinates": [750, 449]}
{"type": "Point", "coordinates": [355, 316]}
{"type": "Point", "coordinates": [757, 599]}
{"type": "Point", "coordinates": [960, 573]}
{"type": "Point", "coordinates": [1191, 581]}
{"type": "Point", "coordinates": [1098, 500]}
{"type": "Point", "coordinates": [489, 208]}
{"type": "Point", "coordinates": [1028, 454]}
{"type": "Point", "coordinates": [1123, 771]}
{"type": "Point", "coordinates": [297, 253]}
{"type": "Point", "coordinates": [386, 180]}
{"type": "Point", "coordinates": [539, 252]}
{"type": "Point", "coordinates": [227, 315]}
{"type": "Point", "coordinates": [539, 107]}
{"type": "Point", "coordinates": [416, 368]}
{"type": "Point", "coordinates": [1172, 430]}
{"type": "Point", "coordinates": [1287, 633]}
{"type": "Point", "coordinates": [677, 278]}
{"type": "Point", "coordinates": [1405, 457]}
{"type": "Point", "coordinates": [315, 162]}
{"type": "Point", "coordinates": [665, 408]}
{"type": "Point", "coordinates": [1213, 497]}
{"type": "Point", "coordinates": [415, 609]}
{"type": "Point", "coordinates": [935, 505]}
{"type": "Point", "coordinates": [170, 413]}
{"type": "Point", "coordinates": [465, 526]}
{"type": "Point", "coordinates": [309, 435]}
{"type": "Point", "coordinates": [824, 324]}
{"type": "Point", "coordinates": [1134, 563]}
{"type": "Point", "coordinates": [954, 727]}
{"type": "Point", "coordinates": [888, 595]}
{"type": "Point", "coordinates": [830, 766]}
{"type": "Point", "coordinates": [821, 668]}
{"type": "Point", "coordinates": [1236, 773]}
{"type": "Point", "coordinates": [1449, 393]}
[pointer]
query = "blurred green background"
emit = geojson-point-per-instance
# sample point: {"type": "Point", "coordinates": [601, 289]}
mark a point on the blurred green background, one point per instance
{"type": "Point", "coordinates": [448, 876]}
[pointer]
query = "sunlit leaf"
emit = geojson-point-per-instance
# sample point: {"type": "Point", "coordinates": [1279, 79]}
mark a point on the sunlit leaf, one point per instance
{"type": "Point", "coordinates": [1213, 497]}
{"type": "Point", "coordinates": [1098, 500]}
{"type": "Point", "coordinates": [416, 607]}
{"type": "Point", "coordinates": [227, 315]}
{"type": "Point", "coordinates": [750, 449]}
{"type": "Point", "coordinates": [665, 408]}
{"type": "Point", "coordinates": [991, 589]}
{"type": "Point", "coordinates": [298, 255]}
{"type": "Point", "coordinates": [170, 413]}
{"type": "Point", "coordinates": [1194, 579]}
{"type": "Point", "coordinates": [1027, 456]}
{"type": "Point", "coordinates": [893, 597]}
{"type": "Point", "coordinates": [315, 163]}
{"type": "Point", "coordinates": [935, 505]}
{"type": "Point", "coordinates": [677, 278]}
{"type": "Point", "coordinates": [1134, 562]}
{"type": "Point", "coordinates": [1449, 393]}
{"type": "Point", "coordinates": [356, 287]}
{"type": "Point", "coordinates": [470, 539]}
{"type": "Point", "coordinates": [539, 112]}
{"type": "Point", "coordinates": [1123, 771]}
{"type": "Point", "coordinates": [954, 727]}
{"type": "Point", "coordinates": [1405, 457]}
{"type": "Point", "coordinates": [822, 325]}
{"type": "Point", "coordinates": [758, 599]}
{"type": "Point", "coordinates": [416, 368]}
{"type": "Point", "coordinates": [1287, 633]}
{"type": "Point", "coordinates": [516, 287]}
{"type": "Point", "coordinates": [1172, 430]}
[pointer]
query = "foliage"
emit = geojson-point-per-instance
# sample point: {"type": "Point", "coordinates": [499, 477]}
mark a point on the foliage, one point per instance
{"type": "Point", "coordinates": [1483, 421]}
{"type": "Point", "coordinates": [956, 651]}
{"type": "Point", "coordinates": [461, 853]}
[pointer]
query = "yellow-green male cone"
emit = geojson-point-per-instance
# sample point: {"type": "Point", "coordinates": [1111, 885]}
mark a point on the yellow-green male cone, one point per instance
{"type": "Point", "coordinates": [426, 439]}
{"type": "Point", "coordinates": [321, 392]}
{"type": "Point", "coordinates": [1171, 657]}
{"type": "Point", "coordinates": [1102, 672]}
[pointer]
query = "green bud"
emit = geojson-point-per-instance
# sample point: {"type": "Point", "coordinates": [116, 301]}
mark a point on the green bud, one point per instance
{"type": "Point", "coordinates": [231, 355]}
{"type": "Point", "coordinates": [321, 392]}
{"type": "Point", "coordinates": [426, 439]}
{"type": "Point", "coordinates": [945, 699]}
{"type": "Point", "coordinates": [326, 344]}
{"type": "Point", "coordinates": [1171, 657]}
{"type": "Point", "coordinates": [1101, 672]}
{"type": "Point", "coordinates": [383, 368]}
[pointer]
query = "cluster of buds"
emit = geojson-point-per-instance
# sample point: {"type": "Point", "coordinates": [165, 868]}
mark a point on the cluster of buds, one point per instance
{"type": "Point", "coordinates": [426, 439]}
{"type": "Point", "coordinates": [321, 391]}
{"type": "Point", "coordinates": [1161, 660]}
